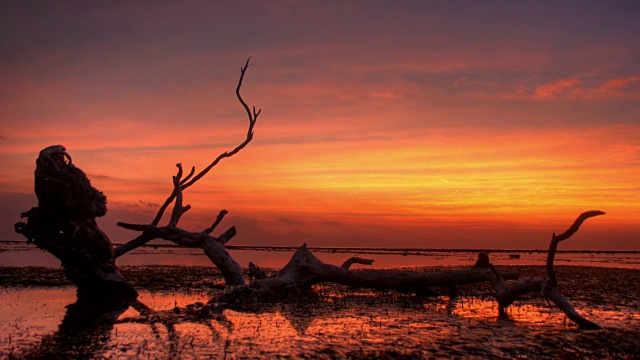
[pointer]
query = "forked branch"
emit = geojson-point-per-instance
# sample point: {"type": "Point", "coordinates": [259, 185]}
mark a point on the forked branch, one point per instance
{"type": "Point", "coordinates": [252, 121]}
{"type": "Point", "coordinates": [507, 294]}
{"type": "Point", "coordinates": [182, 184]}
{"type": "Point", "coordinates": [356, 260]}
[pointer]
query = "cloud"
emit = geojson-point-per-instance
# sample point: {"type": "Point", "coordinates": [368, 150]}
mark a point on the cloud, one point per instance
{"type": "Point", "coordinates": [148, 204]}
{"type": "Point", "coordinates": [618, 87]}
{"type": "Point", "coordinates": [577, 88]}
{"type": "Point", "coordinates": [140, 203]}
{"type": "Point", "coordinates": [252, 232]}
{"type": "Point", "coordinates": [556, 88]}
{"type": "Point", "coordinates": [289, 221]}
{"type": "Point", "coordinates": [101, 176]}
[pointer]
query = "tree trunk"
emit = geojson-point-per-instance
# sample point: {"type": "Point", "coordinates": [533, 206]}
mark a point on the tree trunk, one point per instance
{"type": "Point", "coordinates": [304, 270]}
{"type": "Point", "coordinates": [64, 225]}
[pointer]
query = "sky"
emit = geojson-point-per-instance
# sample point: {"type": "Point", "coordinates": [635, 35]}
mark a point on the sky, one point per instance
{"type": "Point", "coordinates": [435, 124]}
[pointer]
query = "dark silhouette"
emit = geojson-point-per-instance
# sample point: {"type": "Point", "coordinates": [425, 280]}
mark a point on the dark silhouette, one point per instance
{"type": "Point", "coordinates": [64, 225]}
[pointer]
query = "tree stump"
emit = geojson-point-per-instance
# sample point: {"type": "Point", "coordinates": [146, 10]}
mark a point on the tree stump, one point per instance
{"type": "Point", "coordinates": [64, 225]}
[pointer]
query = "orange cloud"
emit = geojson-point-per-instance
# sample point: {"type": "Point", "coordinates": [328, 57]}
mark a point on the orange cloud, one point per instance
{"type": "Point", "coordinates": [617, 87]}
{"type": "Point", "coordinates": [581, 89]}
{"type": "Point", "coordinates": [557, 88]}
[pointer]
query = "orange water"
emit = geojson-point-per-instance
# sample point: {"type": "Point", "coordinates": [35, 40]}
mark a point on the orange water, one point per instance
{"type": "Point", "coordinates": [337, 325]}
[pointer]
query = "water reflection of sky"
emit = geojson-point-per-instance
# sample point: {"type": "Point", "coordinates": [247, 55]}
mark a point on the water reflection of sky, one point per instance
{"type": "Point", "coordinates": [333, 326]}
{"type": "Point", "coordinates": [29, 255]}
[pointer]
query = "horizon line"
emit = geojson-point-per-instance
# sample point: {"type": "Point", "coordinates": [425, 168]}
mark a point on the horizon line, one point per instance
{"type": "Point", "coordinates": [368, 250]}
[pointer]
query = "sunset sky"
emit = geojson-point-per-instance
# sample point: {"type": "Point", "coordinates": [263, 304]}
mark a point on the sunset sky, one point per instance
{"type": "Point", "coordinates": [446, 124]}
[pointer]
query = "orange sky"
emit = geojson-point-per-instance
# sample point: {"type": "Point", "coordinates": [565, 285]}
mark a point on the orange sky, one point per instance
{"type": "Point", "coordinates": [421, 124]}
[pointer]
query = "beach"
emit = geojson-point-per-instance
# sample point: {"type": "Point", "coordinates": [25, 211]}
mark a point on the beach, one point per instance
{"type": "Point", "coordinates": [332, 321]}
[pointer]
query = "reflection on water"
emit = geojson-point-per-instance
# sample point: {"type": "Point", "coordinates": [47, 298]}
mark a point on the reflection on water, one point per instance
{"type": "Point", "coordinates": [334, 325]}
{"type": "Point", "coordinates": [22, 254]}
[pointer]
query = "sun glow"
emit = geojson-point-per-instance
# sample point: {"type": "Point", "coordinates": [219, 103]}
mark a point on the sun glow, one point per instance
{"type": "Point", "coordinates": [473, 178]}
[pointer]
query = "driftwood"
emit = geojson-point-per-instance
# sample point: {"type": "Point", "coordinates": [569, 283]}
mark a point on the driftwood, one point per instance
{"type": "Point", "coordinates": [255, 272]}
{"type": "Point", "coordinates": [355, 260]}
{"type": "Point", "coordinates": [64, 225]}
{"type": "Point", "coordinates": [305, 269]}
{"type": "Point", "coordinates": [507, 294]}
{"type": "Point", "coordinates": [213, 247]}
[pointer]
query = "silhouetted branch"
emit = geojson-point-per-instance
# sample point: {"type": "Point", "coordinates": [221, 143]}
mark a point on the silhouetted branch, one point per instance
{"type": "Point", "coordinates": [212, 247]}
{"type": "Point", "coordinates": [507, 294]}
{"type": "Point", "coordinates": [193, 171]}
{"type": "Point", "coordinates": [213, 226]}
{"type": "Point", "coordinates": [355, 260]}
{"type": "Point", "coordinates": [252, 121]}
{"type": "Point", "coordinates": [178, 209]}
{"type": "Point", "coordinates": [190, 179]}
{"type": "Point", "coordinates": [553, 246]}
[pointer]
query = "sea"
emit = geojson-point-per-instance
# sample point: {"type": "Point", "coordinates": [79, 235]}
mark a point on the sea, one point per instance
{"type": "Point", "coordinates": [21, 253]}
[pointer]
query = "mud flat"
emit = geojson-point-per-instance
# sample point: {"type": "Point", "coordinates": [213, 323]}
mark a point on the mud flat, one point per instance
{"type": "Point", "coordinates": [331, 322]}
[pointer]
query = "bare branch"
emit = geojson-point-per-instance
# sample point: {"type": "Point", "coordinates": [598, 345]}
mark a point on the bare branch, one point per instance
{"type": "Point", "coordinates": [355, 260]}
{"type": "Point", "coordinates": [227, 235]}
{"type": "Point", "coordinates": [576, 224]}
{"type": "Point", "coordinates": [191, 179]}
{"type": "Point", "coordinates": [506, 294]}
{"type": "Point", "coordinates": [173, 234]}
{"type": "Point", "coordinates": [555, 239]}
{"type": "Point", "coordinates": [178, 210]}
{"type": "Point", "coordinates": [193, 171]}
{"type": "Point", "coordinates": [252, 122]}
{"type": "Point", "coordinates": [142, 239]}
{"type": "Point", "coordinates": [213, 226]}
{"type": "Point", "coordinates": [552, 293]}
{"type": "Point", "coordinates": [135, 227]}
{"type": "Point", "coordinates": [179, 174]}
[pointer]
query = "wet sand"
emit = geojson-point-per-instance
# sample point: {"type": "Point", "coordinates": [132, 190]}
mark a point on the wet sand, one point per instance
{"type": "Point", "coordinates": [334, 322]}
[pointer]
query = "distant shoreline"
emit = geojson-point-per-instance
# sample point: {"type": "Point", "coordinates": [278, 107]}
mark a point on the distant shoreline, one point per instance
{"type": "Point", "coordinates": [372, 250]}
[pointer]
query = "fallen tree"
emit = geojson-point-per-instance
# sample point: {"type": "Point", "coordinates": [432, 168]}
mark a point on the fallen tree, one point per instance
{"type": "Point", "coordinates": [305, 269]}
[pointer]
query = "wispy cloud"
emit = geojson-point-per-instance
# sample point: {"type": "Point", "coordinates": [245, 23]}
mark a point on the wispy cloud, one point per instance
{"type": "Point", "coordinates": [141, 203]}
{"type": "Point", "coordinates": [558, 88]}
{"type": "Point", "coordinates": [288, 221]}
{"type": "Point", "coordinates": [578, 88]}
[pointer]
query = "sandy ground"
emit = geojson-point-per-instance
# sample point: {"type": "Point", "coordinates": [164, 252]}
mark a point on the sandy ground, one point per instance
{"type": "Point", "coordinates": [332, 322]}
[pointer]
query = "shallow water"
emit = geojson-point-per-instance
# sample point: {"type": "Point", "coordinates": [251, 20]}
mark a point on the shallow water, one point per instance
{"type": "Point", "coordinates": [339, 323]}
{"type": "Point", "coordinates": [23, 254]}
